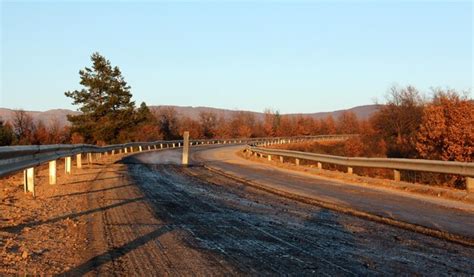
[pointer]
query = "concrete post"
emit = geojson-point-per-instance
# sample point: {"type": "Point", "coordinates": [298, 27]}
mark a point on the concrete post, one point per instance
{"type": "Point", "coordinates": [131, 149]}
{"type": "Point", "coordinates": [349, 170]}
{"type": "Point", "coordinates": [89, 158]}
{"type": "Point", "coordinates": [269, 157]}
{"type": "Point", "coordinates": [29, 180]}
{"type": "Point", "coordinates": [140, 148]}
{"type": "Point", "coordinates": [297, 162]}
{"type": "Point", "coordinates": [470, 184]}
{"type": "Point", "coordinates": [154, 146]}
{"type": "Point", "coordinates": [113, 152]}
{"type": "Point", "coordinates": [185, 147]}
{"type": "Point", "coordinates": [52, 172]}
{"type": "Point", "coordinates": [179, 144]}
{"type": "Point", "coordinates": [149, 147]}
{"type": "Point", "coordinates": [281, 159]}
{"type": "Point", "coordinates": [67, 165]}
{"type": "Point", "coordinates": [79, 160]}
{"type": "Point", "coordinates": [396, 175]}
{"type": "Point", "coordinates": [320, 165]}
{"type": "Point", "coordinates": [161, 145]}
{"type": "Point", "coordinates": [125, 150]}
{"type": "Point", "coordinates": [173, 145]}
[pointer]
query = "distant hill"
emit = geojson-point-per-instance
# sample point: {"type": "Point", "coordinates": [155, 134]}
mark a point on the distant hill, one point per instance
{"type": "Point", "coordinates": [59, 115]}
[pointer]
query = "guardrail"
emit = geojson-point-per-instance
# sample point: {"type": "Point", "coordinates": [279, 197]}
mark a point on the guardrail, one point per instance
{"type": "Point", "coordinates": [17, 158]}
{"type": "Point", "coordinates": [446, 167]}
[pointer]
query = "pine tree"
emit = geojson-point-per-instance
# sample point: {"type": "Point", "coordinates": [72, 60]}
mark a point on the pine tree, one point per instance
{"type": "Point", "coordinates": [105, 103]}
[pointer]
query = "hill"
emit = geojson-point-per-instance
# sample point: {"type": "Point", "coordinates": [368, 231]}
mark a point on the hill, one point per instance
{"type": "Point", "coordinates": [59, 115]}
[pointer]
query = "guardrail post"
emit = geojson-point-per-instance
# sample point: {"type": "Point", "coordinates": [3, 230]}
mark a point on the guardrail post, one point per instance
{"type": "Point", "coordinates": [173, 145]}
{"type": "Point", "coordinates": [89, 158]}
{"type": "Point", "coordinates": [140, 148]}
{"type": "Point", "coordinates": [67, 165]}
{"type": "Point", "coordinates": [269, 157]}
{"type": "Point", "coordinates": [281, 159]}
{"type": "Point", "coordinates": [320, 165]}
{"type": "Point", "coordinates": [349, 170]}
{"type": "Point", "coordinates": [297, 162]}
{"type": "Point", "coordinates": [131, 149]}
{"type": "Point", "coordinates": [185, 148]}
{"type": "Point", "coordinates": [161, 145]}
{"type": "Point", "coordinates": [52, 172]}
{"type": "Point", "coordinates": [29, 180]}
{"type": "Point", "coordinates": [125, 150]}
{"type": "Point", "coordinates": [79, 160]}
{"type": "Point", "coordinates": [396, 175]}
{"type": "Point", "coordinates": [470, 184]}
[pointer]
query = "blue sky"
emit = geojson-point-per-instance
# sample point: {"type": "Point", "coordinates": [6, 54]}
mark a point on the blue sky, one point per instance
{"type": "Point", "coordinates": [292, 56]}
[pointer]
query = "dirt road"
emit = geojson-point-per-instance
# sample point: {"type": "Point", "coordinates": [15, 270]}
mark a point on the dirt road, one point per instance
{"type": "Point", "coordinates": [147, 216]}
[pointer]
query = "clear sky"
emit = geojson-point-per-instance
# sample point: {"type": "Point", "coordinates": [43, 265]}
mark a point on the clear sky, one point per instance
{"type": "Point", "coordinates": [292, 56]}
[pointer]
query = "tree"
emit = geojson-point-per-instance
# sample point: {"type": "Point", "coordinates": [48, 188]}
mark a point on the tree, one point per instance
{"type": "Point", "coordinates": [168, 123]}
{"type": "Point", "coordinates": [347, 123]}
{"type": "Point", "coordinates": [6, 134]}
{"type": "Point", "coordinates": [208, 122]}
{"type": "Point", "coordinates": [105, 103]}
{"type": "Point", "coordinates": [447, 128]}
{"type": "Point", "coordinates": [23, 127]}
{"type": "Point", "coordinates": [398, 121]}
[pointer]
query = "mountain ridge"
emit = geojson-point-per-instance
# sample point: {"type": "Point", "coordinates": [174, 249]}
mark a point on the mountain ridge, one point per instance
{"type": "Point", "coordinates": [60, 115]}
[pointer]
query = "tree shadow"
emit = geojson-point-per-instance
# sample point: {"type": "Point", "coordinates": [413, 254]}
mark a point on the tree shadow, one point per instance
{"type": "Point", "coordinates": [114, 253]}
{"type": "Point", "coordinates": [18, 228]}
{"type": "Point", "coordinates": [91, 191]}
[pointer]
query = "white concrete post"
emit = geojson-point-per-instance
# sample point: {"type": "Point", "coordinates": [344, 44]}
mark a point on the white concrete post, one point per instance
{"type": "Point", "coordinates": [470, 184]}
{"type": "Point", "coordinates": [140, 148]}
{"type": "Point", "coordinates": [281, 159]}
{"type": "Point", "coordinates": [67, 165]}
{"type": "Point", "coordinates": [320, 165]}
{"type": "Point", "coordinates": [269, 157]}
{"type": "Point", "coordinates": [149, 147]}
{"type": "Point", "coordinates": [173, 145]}
{"type": "Point", "coordinates": [297, 162]}
{"type": "Point", "coordinates": [89, 158]}
{"type": "Point", "coordinates": [185, 148]}
{"type": "Point", "coordinates": [396, 175]}
{"type": "Point", "coordinates": [131, 149]}
{"type": "Point", "coordinates": [29, 180]}
{"type": "Point", "coordinates": [179, 144]}
{"type": "Point", "coordinates": [113, 152]}
{"type": "Point", "coordinates": [154, 146]}
{"type": "Point", "coordinates": [161, 145]}
{"type": "Point", "coordinates": [125, 150]}
{"type": "Point", "coordinates": [79, 160]}
{"type": "Point", "coordinates": [349, 170]}
{"type": "Point", "coordinates": [52, 172]}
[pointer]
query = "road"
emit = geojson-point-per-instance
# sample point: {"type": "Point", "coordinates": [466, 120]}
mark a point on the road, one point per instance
{"type": "Point", "coordinates": [224, 226]}
{"type": "Point", "coordinates": [450, 216]}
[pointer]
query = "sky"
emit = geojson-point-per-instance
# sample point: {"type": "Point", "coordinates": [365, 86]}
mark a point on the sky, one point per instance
{"type": "Point", "coordinates": [291, 56]}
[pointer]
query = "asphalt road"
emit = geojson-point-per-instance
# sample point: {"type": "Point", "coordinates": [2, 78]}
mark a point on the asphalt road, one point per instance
{"type": "Point", "coordinates": [242, 230]}
{"type": "Point", "coordinates": [449, 216]}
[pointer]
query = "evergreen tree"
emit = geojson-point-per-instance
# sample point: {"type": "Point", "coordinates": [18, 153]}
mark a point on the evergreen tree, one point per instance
{"type": "Point", "coordinates": [105, 103]}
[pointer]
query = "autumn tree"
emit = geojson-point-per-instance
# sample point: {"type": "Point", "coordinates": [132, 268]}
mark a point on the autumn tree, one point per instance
{"type": "Point", "coordinates": [398, 121]}
{"type": "Point", "coordinates": [23, 127]}
{"type": "Point", "coordinates": [447, 128]}
{"type": "Point", "coordinates": [208, 122]}
{"type": "Point", "coordinates": [327, 125]}
{"type": "Point", "coordinates": [168, 123]}
{"type": "Point", "coordinates": [105, 102]}
{"type": "Point", "coordinates": [347, 123]}
{"type": "Point", "coordinates": [6, 134]}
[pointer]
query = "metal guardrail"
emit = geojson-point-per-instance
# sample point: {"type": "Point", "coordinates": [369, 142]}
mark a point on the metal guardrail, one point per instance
{"type": "Point", "coordinates": [446, 167]}
{"type": "Point", "coordinates": [17, 158]}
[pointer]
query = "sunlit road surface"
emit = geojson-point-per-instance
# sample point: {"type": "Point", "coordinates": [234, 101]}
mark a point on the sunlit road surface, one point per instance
{"type": "Point", "coordinates": [234, 228]}
{"type": "Point", "coordinates": [446, 215]}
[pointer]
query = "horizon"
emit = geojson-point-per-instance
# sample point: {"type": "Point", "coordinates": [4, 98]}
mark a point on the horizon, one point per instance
{"type": "Point", "coordinates": [290, 57]}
